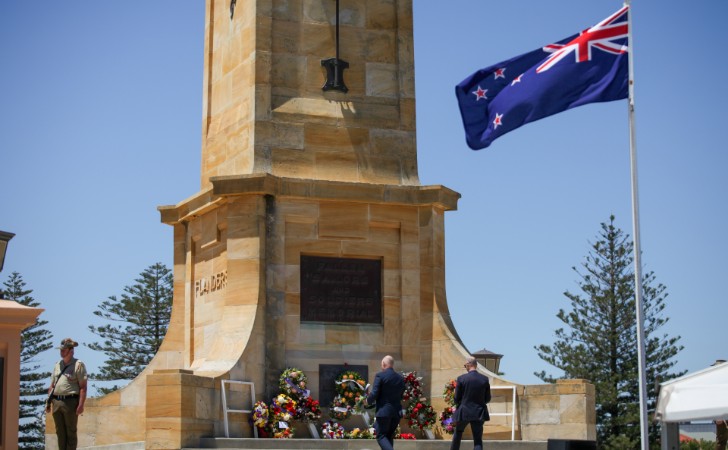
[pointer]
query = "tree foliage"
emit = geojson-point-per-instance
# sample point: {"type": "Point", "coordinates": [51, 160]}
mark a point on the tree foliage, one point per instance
{"type": "Point", "coordinates": [137, 323]}
{"type": "Point", "coordinates": [33, 382]}
{"type": "Point", "coordinates": [599, 340]}
{"type": "Point", "coordinates": [702, 444]}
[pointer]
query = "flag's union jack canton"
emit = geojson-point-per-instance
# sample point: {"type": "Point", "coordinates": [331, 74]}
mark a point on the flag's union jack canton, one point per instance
{"type": "Point", "coordinates": [585, 68]}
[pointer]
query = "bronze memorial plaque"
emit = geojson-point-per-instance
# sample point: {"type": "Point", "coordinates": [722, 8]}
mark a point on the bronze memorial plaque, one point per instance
{"type": "Point", "coordinates": [345, 290]}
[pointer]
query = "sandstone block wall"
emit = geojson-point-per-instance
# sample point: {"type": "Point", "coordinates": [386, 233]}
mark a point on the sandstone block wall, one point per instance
{"type": "Point", "coordinates": [263, 106]}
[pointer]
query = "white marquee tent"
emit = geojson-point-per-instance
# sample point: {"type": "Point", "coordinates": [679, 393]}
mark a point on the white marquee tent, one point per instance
{"type": "Point", "coordinates": [701, 395]}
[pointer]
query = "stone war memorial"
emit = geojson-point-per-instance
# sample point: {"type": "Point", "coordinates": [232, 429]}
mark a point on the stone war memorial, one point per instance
{"type": "Point", "coordinates": [311, 242]}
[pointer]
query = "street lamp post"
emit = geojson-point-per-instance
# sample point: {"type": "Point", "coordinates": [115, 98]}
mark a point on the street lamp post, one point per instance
{"type": "Point", "coordinates": [4, 239]}
{"type": "Point", "coordinates": [490, 360]}
{"type": "Point", "coordinates": [14, 318]}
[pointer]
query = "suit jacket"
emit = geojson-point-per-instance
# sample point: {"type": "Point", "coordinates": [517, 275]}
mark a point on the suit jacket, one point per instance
{"type": "Point", "coordinates": [472, 393]}
{"type": "Point", "coordinates": [387, 393]}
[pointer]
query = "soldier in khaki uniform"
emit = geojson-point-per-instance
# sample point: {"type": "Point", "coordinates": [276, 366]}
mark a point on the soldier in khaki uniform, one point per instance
{"type": "Point", "coordinates": [67, 395]}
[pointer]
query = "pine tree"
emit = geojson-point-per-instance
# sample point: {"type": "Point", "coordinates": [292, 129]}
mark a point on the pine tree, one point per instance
{"type": "Point", "coordinates": [139, 321]}
{"type": "Point", "coordinates": [33, 383]}
{"type": "Point", "coordinates": [600, 342]}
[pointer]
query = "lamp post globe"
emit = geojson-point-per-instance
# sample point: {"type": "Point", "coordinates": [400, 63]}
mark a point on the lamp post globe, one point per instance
{"type": "Point", "coordinates": [4, 239]}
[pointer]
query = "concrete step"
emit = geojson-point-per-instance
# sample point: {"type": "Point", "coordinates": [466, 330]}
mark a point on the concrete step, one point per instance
{"type": "Point", "coordinates": [359, 444]}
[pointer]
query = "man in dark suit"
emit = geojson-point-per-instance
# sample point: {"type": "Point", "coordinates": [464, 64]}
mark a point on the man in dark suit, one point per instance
{"type": "Point", "coordinates": [387, 393]}
{"type": "Point", "coordinates": [472, 393]}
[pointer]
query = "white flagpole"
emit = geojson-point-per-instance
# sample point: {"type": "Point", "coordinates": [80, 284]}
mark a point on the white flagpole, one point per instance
{"type": "Point", "coordinates": [644, 430]}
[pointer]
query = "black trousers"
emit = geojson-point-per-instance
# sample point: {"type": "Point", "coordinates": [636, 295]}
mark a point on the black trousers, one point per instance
{"type": "Point", "coordinates": [476, 427]}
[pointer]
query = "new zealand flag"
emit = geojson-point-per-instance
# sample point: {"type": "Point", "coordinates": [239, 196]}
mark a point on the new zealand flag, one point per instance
{"type": "Point", "coordinates": [585, 68]}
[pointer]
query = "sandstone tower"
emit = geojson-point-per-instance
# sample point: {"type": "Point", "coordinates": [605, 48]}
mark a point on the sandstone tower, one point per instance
{"type": "Point", "coordinates": [311, 241]}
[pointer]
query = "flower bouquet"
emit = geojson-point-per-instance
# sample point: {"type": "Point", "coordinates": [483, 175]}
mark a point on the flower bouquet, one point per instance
{"type": "Point", "coordinates": [282, 433]}
{"type": "Point", "coordinates": [332, 430]}
{"type": "Point", "coordinates": [412, 387]}
{"type": "Point", "coordinates": [406, 436]}
{"type": "Point", "coordinates": [360, 405]}
{"type": "Point", "coordinates": [309, 410]}
{"type": "Point", "coordinates": [421, 415]}
{"type": "Point", "coordinates": [446, 422]}
{"type": "Point", "coordinates": [361, 433]}
{"type": "Point", "coordinates": [449, 392]}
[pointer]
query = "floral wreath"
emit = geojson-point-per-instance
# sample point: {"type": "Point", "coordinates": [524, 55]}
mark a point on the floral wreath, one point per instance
{"type": "Point", "coordinates": [332, 430]}
{"type": "Point", "coordinates": [260, 416]}
{"type": "Point", "coordinates": [421, 415]}
{"type": "Point", "coordinates": [281, 412]}
{"type": "Point", "coordinates": [412, 387]}
{"type": "Point", "coordinates": [350, 386]}
{"type": "Point", "coordinates": [283, 408]}
{"type": "Point", "coordinates": [340, 408]}
{"type": "Point", "coordinates": [309, 410]}
{"type": "Point", "coordinates": [446, 422]}
{"type": "Point", "coordinates": [293, 383]}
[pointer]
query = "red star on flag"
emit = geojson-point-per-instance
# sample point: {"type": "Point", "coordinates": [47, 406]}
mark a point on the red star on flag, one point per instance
{"type": "Point", "coordinates": [516, 80]}
{"type": "Point", "coordinates": [497, 121]}
{"type": "Point", "coordinates": [500, 73]}
{"type": "Point", "coordinates": [480, 93]}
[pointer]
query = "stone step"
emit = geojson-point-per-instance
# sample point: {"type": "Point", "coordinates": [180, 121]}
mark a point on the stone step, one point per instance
{"type": "Point", "coordinates": [359, 444]}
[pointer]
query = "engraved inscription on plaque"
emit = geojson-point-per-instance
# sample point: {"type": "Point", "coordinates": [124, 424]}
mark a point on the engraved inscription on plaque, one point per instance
{"type": "Point", "coordinates": [327, 379]}
{"type": "Point", "coordinates": [347, 290]}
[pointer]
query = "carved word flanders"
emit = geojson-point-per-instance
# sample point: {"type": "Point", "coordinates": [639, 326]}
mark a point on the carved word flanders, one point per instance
{"type": "Point", "coordinates": [210, 284]}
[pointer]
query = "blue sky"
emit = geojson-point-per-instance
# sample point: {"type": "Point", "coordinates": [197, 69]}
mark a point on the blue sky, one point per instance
{"type": "Point", "coordinates": [100, 123]}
